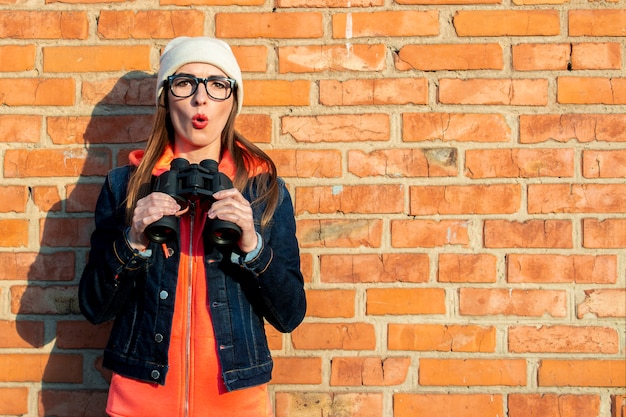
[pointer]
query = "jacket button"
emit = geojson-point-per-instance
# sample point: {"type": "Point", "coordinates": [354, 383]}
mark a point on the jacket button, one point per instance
{"type": "Point", "coordinates": [163, 295]}
{"type": "Point", "coordinates": [158, 337]}
{"type": "Point", "coordinates": [155, 374]}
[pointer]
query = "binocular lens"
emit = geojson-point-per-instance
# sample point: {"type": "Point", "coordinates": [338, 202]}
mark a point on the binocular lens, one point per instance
{"type": "Point", "coordinates": [163, 230]}
{"type": "Point", "coordinates": [225, 237]}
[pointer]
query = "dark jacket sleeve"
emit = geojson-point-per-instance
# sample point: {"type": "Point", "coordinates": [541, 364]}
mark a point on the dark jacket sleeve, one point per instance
{"type": "Point", "coordinates": [277, 269]}
{"type": "Point", "coordinates": [113, 266]}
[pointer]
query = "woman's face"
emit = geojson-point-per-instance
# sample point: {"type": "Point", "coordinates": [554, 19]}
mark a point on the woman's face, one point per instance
{"type": "Point", "coordinates": [198, 120]}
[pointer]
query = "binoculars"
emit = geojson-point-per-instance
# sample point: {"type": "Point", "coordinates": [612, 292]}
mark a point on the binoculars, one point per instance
{"type": "Point", "coordinates": [185, 182]}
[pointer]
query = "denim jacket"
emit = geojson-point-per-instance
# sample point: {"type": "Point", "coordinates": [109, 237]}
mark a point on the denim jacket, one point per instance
{"type": "Point", "coordinates": [138, 293]}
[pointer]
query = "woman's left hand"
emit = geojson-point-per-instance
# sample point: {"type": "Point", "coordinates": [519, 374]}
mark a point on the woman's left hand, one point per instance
{"type": "Point", "coordinates": [231, 206]}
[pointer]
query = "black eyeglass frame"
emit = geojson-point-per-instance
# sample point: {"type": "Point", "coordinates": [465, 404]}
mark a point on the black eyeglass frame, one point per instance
{"type": "Point", "coordinates": [232, 82]}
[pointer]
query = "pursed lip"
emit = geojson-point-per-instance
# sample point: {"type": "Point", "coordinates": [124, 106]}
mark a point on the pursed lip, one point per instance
{"type": "Point", "coordinates": [199, 121]}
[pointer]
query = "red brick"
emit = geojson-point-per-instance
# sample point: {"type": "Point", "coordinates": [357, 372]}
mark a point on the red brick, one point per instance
{"type": "Point", "coordinates": [15, 58]}
{"type": "Point", "coordinates": [274, 338]}
{"type": "Point", "coordinates": [72, 232]}
{"type": "Point", "coordinates": [306, 371]}
{"type": "Point", "coordinates": [603, 303]}
{"type": "Point", "coordinates": [44, 300]}
{"type": "Point", "coordinates": [311, 404]}
{"type": "Point", "coordinates": [604, 163]}
{"type": "Point", "coordinates": [591, 90]}
{"type": "Point", "coordinates": [330, 303]}
{"type": "Point", "coordinates": [596, 56]}
{"type": "Point", "coordinates": [319, 58]}
{"type": "Point", "coordinates": [457, 267]}
{"type": "Point", "coordinates": [79, 402]}
{"type": "Point", "coordinates": [368, 371]}
{"type": "Point", "coordinates": [582, 373]}
{"type": "Point", "coordinates": [563, 339]}
{"type": "Point", "coordinates": [563, 405]}
{"type": "Point", "coordinates": [577, 198]}
{"type": "Point", "coordinates": [618, 405]}
{"type": "Point", "coordinates": [150, 24]}
{"type": "Point", "coordinates": [276, 93]}
{"type": "Point", "coordinates": [394, 163]}
{"type": "Point", "coordinates": [553, 268]}
{"type": "Point", "coordinates": [607, 233]}
{"type": "Point", "coordinates": [255, 127]}
{"type": "Point", "coordinates": [15, 128]}
{"type": "Point", "coordinates": [361, 268]}
{"type": "Point", "coordinates": [465, 199]}
{"type": "Point", "coordinates": [269, 25]}
{"type": "Point", "coordinates": [519, 163]}
{"type": "Point", "coordinates": [368, 199]}
{"type": "Point", "coordinates": [307, 163]}
{"type": "Point", "coordinates": [609, 22]}
{"type": "Point", "coordinates": [306, 266]}
{"type": "Point", "coordinates": [385, 23]}
{"type": "Point", "coordinates": [469, 372]}
{"type": "Point", "coordinates": [32, 266]}
{"type": "Point", "coordinates": [457, 127]}
{"type": "Point", "coordinates": [81, 335]}
{"type": "Point", "coordinates": [252, 58]}
{"type": "Point", "coordinates": [441, 338]}
{"type": "Point", "coordinates": [15, 200]}
{"type": "Point", "coordinates": [14, 233]}
{"type": "Point", "coordinates": [378, 91]}
{"type": "Point", "coordinates": [81, 197]}
{"type": "Point", "coordinates": [19, 367]}
{"type": "Point", "coordinates": [399, 301]}
{"type": "Point", "coordinates": [541, 56]}
{"type": "Point", "coordinates": [565, 127]}
{"type": "Point", "coordinates": [337, 128]}
{"type": "Point", "coordinates": [328, 3]}
{"type": "Point", "coordinates": [345, 336]}
{"type": "Point", "coordinates": [454, 2]}
{"type": "Point", "coordinates": [101, 58]}
{"type": "Point", "coordinates": [484, 91]}
{"type": "Point", "coordinates": [449, 57]}
{"type": "Point", "coordinates": [339, 233]}
{"type": "Point", "coordinates": [528, 234]}
{"type": "Point", "coordinates": [448, 405]}
{"type": "Point", "coordinates": [127, 91]}
{"type": "Point", "coordinates": [21, 334]}
{"type": "Point", "coordinates": [37, 24]}
{"type": "Point", "coordinates": [212, 2]}
{"type": "Point", "coordinates": [428, 233]}
{"type": "Point", "coordinates": [512, 302]}
{"type": "Point", "coordinates": [507, 23]}
{"type": "Point", "coordinates": [46, 198]}
{"type": "Point", "coordinates": [22, 163]}
{"type": "Point", "coordinates": [14, 401]}
{"type": "Point", "coordinates": [37, 92]}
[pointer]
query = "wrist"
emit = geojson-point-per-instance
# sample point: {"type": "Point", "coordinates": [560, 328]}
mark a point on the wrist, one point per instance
{"type": "Point", "coordinates": [136, 241]}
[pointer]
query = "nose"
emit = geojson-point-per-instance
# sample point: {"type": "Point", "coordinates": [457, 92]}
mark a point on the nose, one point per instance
{"type": "Point", "coordinates": [201, 95]}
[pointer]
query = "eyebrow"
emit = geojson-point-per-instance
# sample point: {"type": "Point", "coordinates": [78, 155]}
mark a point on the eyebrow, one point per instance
{"type": "Point", "coordinates": [195, 76]}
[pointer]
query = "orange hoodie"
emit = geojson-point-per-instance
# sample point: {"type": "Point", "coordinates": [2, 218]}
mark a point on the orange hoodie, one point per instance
{"type": "Point", "coordinates": [194, 385]}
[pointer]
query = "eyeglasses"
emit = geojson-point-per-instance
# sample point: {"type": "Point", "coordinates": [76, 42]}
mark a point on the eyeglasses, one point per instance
{"type": "Point", "coordinates": [218, 88]}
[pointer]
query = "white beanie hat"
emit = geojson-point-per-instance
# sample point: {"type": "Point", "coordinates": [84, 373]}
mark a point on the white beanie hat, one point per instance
{"type": "Point", "coordinates": [185, 50]}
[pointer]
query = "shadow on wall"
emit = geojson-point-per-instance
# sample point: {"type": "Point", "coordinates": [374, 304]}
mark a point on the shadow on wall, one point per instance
{"type": "Point", "coordinates": [64, 350]}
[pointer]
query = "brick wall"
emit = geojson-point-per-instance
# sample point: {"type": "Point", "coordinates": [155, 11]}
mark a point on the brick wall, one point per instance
{"type": "Point", "coordinates": [458, 173]}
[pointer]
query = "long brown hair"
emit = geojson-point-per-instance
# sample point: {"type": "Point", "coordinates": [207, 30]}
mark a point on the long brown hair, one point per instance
{"type": "Point", "coordinates": [245, 155]}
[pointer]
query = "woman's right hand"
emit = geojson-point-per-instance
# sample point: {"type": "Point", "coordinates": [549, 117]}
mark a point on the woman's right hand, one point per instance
{"type": "Point", "coordinates": [148, 210]}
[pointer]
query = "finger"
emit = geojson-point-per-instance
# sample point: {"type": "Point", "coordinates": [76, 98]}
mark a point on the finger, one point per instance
{"type": "Point", "coordinates": [229, 193]}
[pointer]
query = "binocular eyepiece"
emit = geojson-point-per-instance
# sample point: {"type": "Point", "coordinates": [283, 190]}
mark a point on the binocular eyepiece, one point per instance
{"type": "Point", "coordinates": [185, 181]}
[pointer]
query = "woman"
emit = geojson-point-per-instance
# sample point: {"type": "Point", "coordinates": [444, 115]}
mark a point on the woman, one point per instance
{"type": "Point", "coordinates": [188, 337]}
